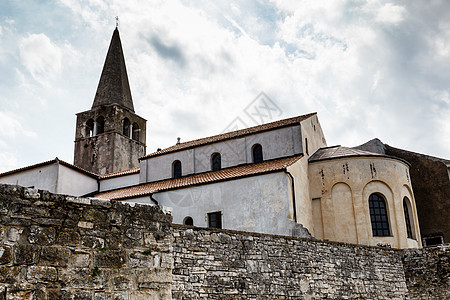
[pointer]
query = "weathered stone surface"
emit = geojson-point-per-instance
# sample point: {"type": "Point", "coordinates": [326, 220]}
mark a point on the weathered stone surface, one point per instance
{"type": "Point", "coordinates": [136, 253]}
{"type": "Point", "coordinates": [54, 256]}
{"type": "Point", "coordinates": [52, 247]}
{"type": "Point", "coordinates": [26, 254]}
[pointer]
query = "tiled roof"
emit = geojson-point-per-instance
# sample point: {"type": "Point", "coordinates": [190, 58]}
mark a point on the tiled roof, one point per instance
{"type": "Point", "coordinates": [49, 162]}
{"type": "Point", "coordinates": [121, 173]}
{"type": "Point", "coordinates": [230, 135]}
{"type": "Point", "coordinates": [198, 179]}
{"type": "Point", "coordinates": [337, 152]}
{"type": "Point", "coordinates": [340, 152]}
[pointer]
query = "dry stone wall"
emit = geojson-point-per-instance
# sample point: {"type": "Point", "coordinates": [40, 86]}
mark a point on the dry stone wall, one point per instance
{"type": "Point", "coordinates": [58, 247]}
{"type": "Point", "coordinates": [211, 264]}
{"type": "Point", "coordinates": [427, 272]}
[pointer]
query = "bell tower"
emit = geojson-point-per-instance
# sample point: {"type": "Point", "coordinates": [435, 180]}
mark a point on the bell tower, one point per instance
{"type": "Point", "coordinates": [110, 137]}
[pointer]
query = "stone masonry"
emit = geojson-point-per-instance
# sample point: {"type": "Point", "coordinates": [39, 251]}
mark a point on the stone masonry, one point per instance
{"type": "Point", "coordinates": [212, 264]}
{"type": "Point", "coordinates": [61, 247]}
{"type": "Point", "coordinates": [427, 272]}
{"type": "Point", "coordinates": [58, 247]}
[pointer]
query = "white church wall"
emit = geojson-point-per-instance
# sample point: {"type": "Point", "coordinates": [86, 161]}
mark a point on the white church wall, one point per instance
{"type": "Point", "coordinates": [255, 204]}
{"type": "Point", "coordinates": [303, 205]}
{"type": "Point", "coordinates": [312, 136]}
{"type": "Point", "coordinates": [160, 167]}
{"type": "Point", "coordinates": [44, 178]}
{"type": "Point", "coordinates": [118, 182]}
{"type": "Point", "coordinates": [281, 142]}
{"type": "Point", "coordinates": [71, 182]}
{"type": "Point", "coordinates": [278, 143]}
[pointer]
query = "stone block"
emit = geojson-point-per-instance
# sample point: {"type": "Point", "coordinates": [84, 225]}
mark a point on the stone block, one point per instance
{"type": "Point", "coordinates": [79, 260]}
{"type": "Point", "coordinates": [42, 235]}
{"type": "Point", "coordinates": [5, 255]}
{"type": "Point", "coordinates": [68, 237]}
{"type": "Point", "coordinates": [12, 274]}
{"type": "Point", "coordinates": [54, 256]}
{"type": "Point", "coordinates": [109, 259]}
{"type": "Point", "coordinates": [13, 234]}
{"type": "Point", "coordinates": [92, 242]}
{"type": "Point", "coordinates": [26, 254]}
{"type": "Point", "coordinates": [42, 273]}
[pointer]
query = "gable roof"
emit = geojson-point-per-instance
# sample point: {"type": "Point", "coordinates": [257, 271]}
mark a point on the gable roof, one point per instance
{"type": "Point", "coordinates": [131, 171]}
{"type": "Point", "coordinates": [113, 87]}
{"type": "Point", "coordinates": [230, 135]}
{"type": "Point", "coordinates": [50, 162]}
{"type": "Point", "coordinates": [200, 179]}
{"type": "Point", "coordinates": [334, 152]}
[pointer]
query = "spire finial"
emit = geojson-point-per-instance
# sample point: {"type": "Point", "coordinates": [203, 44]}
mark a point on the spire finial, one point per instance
{"type": "Point", "coordinates": [117, 21]}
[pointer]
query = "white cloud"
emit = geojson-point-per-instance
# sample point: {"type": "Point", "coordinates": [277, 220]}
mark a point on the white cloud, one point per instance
{"type": "Point", "coordinates": [12, 127]}
{"type": "Point", "coordinates": [390, 13]}
{"type": "Point", "coordinates": [40, 57]}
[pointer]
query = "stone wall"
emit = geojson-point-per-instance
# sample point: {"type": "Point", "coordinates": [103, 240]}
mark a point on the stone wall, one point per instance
{"type": "Point", "coordinates": [58, 247]}
{"type": "Point", "coordinates": [427, 272]}
{"type": "Point", "coordinates": [212, 264]}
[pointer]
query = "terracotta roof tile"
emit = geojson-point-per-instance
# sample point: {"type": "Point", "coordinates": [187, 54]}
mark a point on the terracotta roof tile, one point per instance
{"type": "Point", "coordinates": [121, 173]}
{"type": "Point", "coordinates": [230, 135]}
{"type": "Point", "coordinates": [198, 179]}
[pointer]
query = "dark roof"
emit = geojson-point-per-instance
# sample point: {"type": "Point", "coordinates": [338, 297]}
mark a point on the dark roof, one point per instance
{"type": "Point", "coordinates": [50, 162]}
{"type": "Point", "coordinates": [338, 151]}
{"type": "Point", "coordinates": [231, 135]}
{"type": "Point", "coordinates": [113, 87]}
{"type": "Point", "coordinates": [199, 179]}
{"type": "Point", "coordinates": [433, 158]}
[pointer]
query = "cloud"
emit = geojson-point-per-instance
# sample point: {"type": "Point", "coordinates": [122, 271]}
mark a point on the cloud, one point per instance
{"type": "Point", "coordinates": [12, 127]}
{"type": "Point", "coordinates": [172, 52]}
{"type": "Point", "coordinates": [40, 57]}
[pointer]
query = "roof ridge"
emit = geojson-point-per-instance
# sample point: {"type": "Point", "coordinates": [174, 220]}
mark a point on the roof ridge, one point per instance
{"type": "Point", "coordinates": [48, 162]}
{"type": "Point", "coordinates": [230, 135]}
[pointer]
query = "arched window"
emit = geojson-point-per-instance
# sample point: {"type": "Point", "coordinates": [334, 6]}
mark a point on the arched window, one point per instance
{"type": "Point", "coordinates": [89, 128]}
{"type": "Point", "coordinates": [136, 131]}
{"type": "Point", "coordinates": [126, 127]}
{"type": "Point", "coordinates": [378, 215]}
{"type": "Point", "coordinates": [257, 153]}
{"type": "Point", "coordinates": [100, 125]}
{"type": "Point", "coordinates": [176, 169]}
{"type": "Point", "coordinates": [406, 210]}
{"type": "Point", "coordinates": [216, 162]}
{"type": "Point", "coordinates": [188, 221]}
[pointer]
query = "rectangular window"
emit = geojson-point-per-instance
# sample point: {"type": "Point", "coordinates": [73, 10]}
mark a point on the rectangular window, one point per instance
{"type": "Point", "coordinates": [215, 219]}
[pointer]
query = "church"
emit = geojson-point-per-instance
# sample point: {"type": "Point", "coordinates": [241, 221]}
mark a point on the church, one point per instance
{"type": "Point", "coordinates": [276, 178]}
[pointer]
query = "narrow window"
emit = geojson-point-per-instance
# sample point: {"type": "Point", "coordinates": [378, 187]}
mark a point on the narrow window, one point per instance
{"type": "Point", "coordinates": [176, 169]}
{"type": "Point", "coordinates": [306, 146]}
{"type": "Point", "coordinates": [136, 131]}
{"type": "Point", "coordinates": [188, 221]}
{"type": "Point", "coordinates": [257, 153]}
{"type": "Point", "coordinates": [406, 209]}
{"type": "Point", "coordinates": [216, 162]}
{"type": "Point", "coordinates": [378, 215]}
{"type": "Point", "coordinates": [100, 125]}
{"type": "Point", "coordinates": [89, 128]}
{"type": "Point", "coordinates": [215, 219]}
{"type": "Point", "coordinates": [126, 127]}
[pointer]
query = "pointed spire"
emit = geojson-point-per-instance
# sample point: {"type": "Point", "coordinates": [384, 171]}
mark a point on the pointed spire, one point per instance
{"type": "Point", "coordinates": [113, 87]}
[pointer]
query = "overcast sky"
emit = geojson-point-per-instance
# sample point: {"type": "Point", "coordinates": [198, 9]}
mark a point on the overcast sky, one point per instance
{"type": "Point", "coordinates": [368, 68]}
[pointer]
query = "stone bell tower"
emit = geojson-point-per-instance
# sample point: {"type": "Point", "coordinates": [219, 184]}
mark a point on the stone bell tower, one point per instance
{"type": "Point", "coordinates": [110, 137]}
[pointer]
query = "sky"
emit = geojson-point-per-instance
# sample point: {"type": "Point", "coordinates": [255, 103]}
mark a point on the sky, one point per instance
{"type": "Point", "coordinates": [370, 69]}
